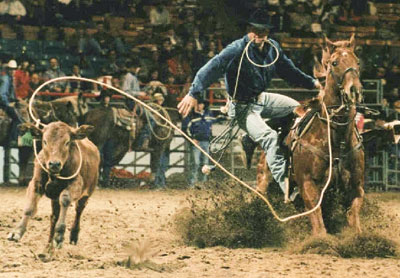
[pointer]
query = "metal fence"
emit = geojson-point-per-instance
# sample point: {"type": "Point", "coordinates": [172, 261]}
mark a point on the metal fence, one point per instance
{"type": "Point", "coordinates": [382, 169]}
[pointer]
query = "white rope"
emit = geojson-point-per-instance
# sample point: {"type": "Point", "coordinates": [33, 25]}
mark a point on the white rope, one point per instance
{"type": "Point", "coordinates": [274, 213]}
{"type": "Point", "coordinates": [58, 176]}
{"type": "Point", "coordinates": [246, 50]}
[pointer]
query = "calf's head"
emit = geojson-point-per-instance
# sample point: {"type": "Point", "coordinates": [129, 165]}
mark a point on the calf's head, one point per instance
{"type": "Point", "coordinates": [57, 142]}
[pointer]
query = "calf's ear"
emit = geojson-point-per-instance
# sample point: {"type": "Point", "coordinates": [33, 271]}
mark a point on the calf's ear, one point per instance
{"type": "Point", "coordinates": [36, 131]}
{"type": "Point", "coordinates": [81, 132]}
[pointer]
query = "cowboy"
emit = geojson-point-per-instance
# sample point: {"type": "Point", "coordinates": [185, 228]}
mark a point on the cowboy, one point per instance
{"type": "Point", "coordinates": [8, 99]}
{"type": "Point", "coordinates": [249, 64]}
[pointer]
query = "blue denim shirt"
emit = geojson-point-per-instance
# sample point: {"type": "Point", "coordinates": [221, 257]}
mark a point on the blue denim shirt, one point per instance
{"type": "Point", "coordinates": [252, 80]}
{"type": "Point", "coordinates": [7, 93]}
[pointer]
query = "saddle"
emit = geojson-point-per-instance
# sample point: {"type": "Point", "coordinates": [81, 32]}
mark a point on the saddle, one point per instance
{"type": "Point", "coordinates": [126, 120]}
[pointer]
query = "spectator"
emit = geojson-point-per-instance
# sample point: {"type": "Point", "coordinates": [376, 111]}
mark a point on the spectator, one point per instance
{"type": "Point", "coordinates": [130, 83]}
{"type": "Point", "coordinates": [54, 72]}
{"type": "Point", "coordinates": [35, 12]}
{"type": "Point", "coordinates": [194, 58]}
{"type": "Point", "coordinates": [21, 80]}
{"type": "Point", "coordinates": [31, 68]}
{"type": "Point", "coordinates": [107, 149]}
{"type": "Point", "coordinates": [199, 127]}
{"type": "Point", "coordinates": [166, 51]}
{"type": "Point", "coordinates": [160, 180]}
{"type": "Point", "coordinates": [178, 66]}
{"type": "Point", "coordinates": [34, 83]}
{"type": "Point", "coordinates": [211, 50]}
{"type": "Point", "coordinates": [300, 21]}
{"type": "Point", "coordinates": [198, 40]}
{"type": "Point", "coordinates": [155, 85]}
{"type": "Point", "coordinates": [8, 99]}
{"type": "Point", "coordinates": [13, 13]}
{"type": "Point", "coordinates": [113, 65]}
{"type": "Point", "coordinates": [159, 15]}
{"type": "Point", "coordinates": [75, 86]}
{"type": "Point", "coordinates": [174, 39]}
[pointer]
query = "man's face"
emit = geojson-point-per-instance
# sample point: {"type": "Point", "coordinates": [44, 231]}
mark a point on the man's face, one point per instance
{"type": "Point", "coordinates": [53, 63]}
{"type": "Point", "coordinates": [260, 35]}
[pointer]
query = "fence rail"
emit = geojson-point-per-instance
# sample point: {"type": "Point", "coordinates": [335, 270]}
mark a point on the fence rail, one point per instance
{"type": "Point", "coordinates": [382, 170]}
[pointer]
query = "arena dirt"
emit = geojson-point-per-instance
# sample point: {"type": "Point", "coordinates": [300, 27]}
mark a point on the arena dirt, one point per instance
{"type": "Point", "coordinates": [140, 225]}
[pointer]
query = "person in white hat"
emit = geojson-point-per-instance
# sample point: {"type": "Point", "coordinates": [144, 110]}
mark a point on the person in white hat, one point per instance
{"type": "Point", "coordinates": [8, 99]}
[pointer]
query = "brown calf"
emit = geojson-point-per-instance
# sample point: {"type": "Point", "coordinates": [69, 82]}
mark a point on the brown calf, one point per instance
{"type": "Point", "coordinates": [67, 172]}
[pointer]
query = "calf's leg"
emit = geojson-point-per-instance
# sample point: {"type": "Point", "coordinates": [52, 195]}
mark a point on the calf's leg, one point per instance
{"type": "Point", "coordinates": [29, 212]}
{"type": "Point", "coordinates": [55, 206]}
{"type": "Point", "coordinates": [80, 206]}
{"type": "Point", "coordinates": [64, 201]}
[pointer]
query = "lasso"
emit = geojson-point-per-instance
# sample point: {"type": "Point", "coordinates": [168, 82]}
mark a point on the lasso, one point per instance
{"type": "Point", "coordinates": [187, 138]}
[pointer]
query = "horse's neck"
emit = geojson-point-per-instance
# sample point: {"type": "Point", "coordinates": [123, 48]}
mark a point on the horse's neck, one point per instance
{"type": "Point", "coordinates": [331, 91]}
{"type": "Point", "coordinates": [332, 99]}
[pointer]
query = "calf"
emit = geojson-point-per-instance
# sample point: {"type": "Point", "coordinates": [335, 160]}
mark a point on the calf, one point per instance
{"type": "Point", "coordinates": [66, 170]}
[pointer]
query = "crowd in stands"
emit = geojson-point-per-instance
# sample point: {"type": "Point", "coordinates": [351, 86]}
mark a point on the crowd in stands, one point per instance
{"type": "Point", "coordinates": [153, 48]}
{"type": "Point", "coordinates": [169, 40]}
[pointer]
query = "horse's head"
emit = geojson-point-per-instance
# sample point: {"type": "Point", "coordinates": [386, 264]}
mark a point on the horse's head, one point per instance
{"type": "Point", "coordinates": [344, 67]}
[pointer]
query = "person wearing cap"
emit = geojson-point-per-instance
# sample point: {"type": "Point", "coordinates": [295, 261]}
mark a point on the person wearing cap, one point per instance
{"type": "Point", "coordinates": [248, 65]}
{"type": "Point", "coordinates": [8, 99]}
{"type": "Point", "coordinates": [198, 126]}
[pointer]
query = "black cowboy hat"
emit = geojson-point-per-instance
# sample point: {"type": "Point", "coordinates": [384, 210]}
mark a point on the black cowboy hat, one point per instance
{"type": "Point", "coordinates": [260, 19]}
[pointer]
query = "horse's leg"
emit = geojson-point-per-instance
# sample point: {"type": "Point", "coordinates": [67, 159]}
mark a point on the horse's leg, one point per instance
{"type": "Point", "coordinates": [310, 196]}
{"type": "Point", "coordinates": [24, 154]}
{"type": "Point", "coordinates": [264, 176]}
{"type": "Point", "coordinates": [80, 206]}
{"type": "Point", "coordinates": [353, 215]}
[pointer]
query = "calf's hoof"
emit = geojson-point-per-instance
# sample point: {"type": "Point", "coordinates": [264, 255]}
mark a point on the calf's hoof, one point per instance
{"type": "Point", "coordinates": [14, 236]}
{"type": "Point", "coordinates": [59, 236]}
{"type": "Point", "coordinates": [73, 239]}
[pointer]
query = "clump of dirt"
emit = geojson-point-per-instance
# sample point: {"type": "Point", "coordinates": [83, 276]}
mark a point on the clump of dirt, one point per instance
{"type": "Point", "coordinates": [367, 246]}
{"type": "Point", "coordinates": [326, 245]}
{"type": "Point", "coordinates": [226, 214]}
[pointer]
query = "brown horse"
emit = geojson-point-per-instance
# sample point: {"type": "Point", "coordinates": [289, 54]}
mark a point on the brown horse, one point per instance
{"type": "Point", "coordinates": [311, 168]}
{"type": "Point", "coordinates": [115, 141]}
{"type": "Point", "coordinates": [23, 152]}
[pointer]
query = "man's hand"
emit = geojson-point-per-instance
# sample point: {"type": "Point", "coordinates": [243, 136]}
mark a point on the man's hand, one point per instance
{"type": "Point", "coordinates": [186, 105]}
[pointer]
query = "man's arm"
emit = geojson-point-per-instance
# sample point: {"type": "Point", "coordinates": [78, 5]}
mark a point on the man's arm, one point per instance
{"type": "Point", "coordinates": [286, 69]}
{"type": "Point", "coordinates": [5, 83]}
{"type": "Point", "coordinates": [209, 74]}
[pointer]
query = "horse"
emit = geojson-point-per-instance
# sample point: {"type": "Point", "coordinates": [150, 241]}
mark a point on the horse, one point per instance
{"type": "Point", "coordinates": [115, 140]}
{"type": "Point", "coordinates": [23, 152]}
{"type": "Point", "coordinates": [333, 109]}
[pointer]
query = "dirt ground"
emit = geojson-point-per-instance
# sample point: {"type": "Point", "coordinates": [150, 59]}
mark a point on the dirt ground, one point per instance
{"type": "Point", "coordinates": [117, 222]}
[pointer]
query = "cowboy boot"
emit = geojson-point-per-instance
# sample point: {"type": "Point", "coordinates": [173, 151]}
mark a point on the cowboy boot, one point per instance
{"type": "Point", "coordinates": [248, 146]}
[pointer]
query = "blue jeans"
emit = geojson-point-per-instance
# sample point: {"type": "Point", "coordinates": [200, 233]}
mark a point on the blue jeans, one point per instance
{"type": "Point", "coordinates": [198, 159]}
{"type": "Point", "coordinates": [160, 179]}
{"type": "Point", "coordinates": [250, 118]}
